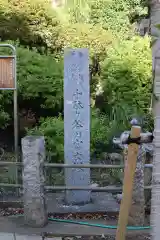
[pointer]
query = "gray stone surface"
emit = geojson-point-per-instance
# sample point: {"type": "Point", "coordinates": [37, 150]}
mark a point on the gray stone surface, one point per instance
{"type": "Point", "coordinates": [27, 237]}
{"type": "Point", "coordinates": [137, 212]}
{"type": "Point", "coordinates": [77, 122]}
{"type": "Point", "coordinates": [7, 236]}
{"type": "Point", "coordinates": [33, 150]}
{"type": "Point", "coordinates": [16, 225]}
{"type": "Point", "coordinates": [100, 202]}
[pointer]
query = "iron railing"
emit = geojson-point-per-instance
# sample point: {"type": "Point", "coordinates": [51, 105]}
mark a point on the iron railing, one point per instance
{"type": "Point", "coordinates": [110, 188]}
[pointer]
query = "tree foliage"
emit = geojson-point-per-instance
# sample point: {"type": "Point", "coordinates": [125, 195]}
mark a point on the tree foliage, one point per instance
{"type": "Point", "coordinates": [120, 63]}
{"type": "Point", "coordinates": [33, 23]}
{"type": "Point", "coordinates": [40, 80]}
{"type": "Point", "coordinates": [53, 130]}
{"type": "Point", "coordinates": [40, 85]}
{"type": "Point", "coordinates": [126, 78]}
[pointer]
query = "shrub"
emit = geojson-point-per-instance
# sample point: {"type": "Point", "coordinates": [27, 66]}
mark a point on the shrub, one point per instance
{"type": "Point", "coordinates": [40, 80]}
{"type": "Point", "coordinates": [53, 130]}
{"type": "Point", "coordinates": [40, 86]}
{"type": "Point", "coordinates": [126, 75]}
{"type": "Point", "coordinates": [126, 79]}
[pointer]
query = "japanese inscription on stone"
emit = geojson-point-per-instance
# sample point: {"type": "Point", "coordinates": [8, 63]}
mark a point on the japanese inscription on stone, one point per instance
{"type": "Point", "coordinates": [77, 122]}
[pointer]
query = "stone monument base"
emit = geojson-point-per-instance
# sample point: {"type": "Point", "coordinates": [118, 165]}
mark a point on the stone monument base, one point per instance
{"type": "Point", "coordinates": [100, 202]}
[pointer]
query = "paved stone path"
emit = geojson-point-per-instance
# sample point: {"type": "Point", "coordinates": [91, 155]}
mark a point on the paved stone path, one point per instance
{"type": "Point", "coordinates": [10, 236]}
{"type": "Point", "coordinates": [57, 231]}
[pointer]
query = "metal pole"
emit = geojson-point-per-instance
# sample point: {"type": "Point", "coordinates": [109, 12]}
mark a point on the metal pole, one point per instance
{"type": "Point", "coordinates": [64, 188]}
{"type": "Point", "coordinates": [14, 72]}
{"type": "Point", "coordinates": [100, 166]}
{"type": "Point", "coordinates": [59, 165]}
{"type": "Point", "coordinates": [15, 102]}
{"type": "Point", "coordinates": [16, 125]}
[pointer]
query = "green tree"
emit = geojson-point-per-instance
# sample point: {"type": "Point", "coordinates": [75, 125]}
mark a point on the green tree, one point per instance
{"type": "Point", "coordinates": [53, 130]}
{"type": "Point", "coordinates": [127, 80]}
{"type": "Point", "coordinates": [33, 23]}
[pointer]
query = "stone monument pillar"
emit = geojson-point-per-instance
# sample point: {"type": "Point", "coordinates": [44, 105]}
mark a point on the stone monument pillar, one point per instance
{"type": "Point", "coordinates": [77, 123]}
{"type": "Point", "coordinates": [33, 150]}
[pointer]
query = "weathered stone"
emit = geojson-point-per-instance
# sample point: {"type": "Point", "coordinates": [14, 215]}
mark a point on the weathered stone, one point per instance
{"type": "Point", "coordinates": [143, 27]}
{"type": "Point", "coordinates": [33, 149]}
{"type": "Point", "coordinates": [148, 151]}
{"type": "Point", "coordinates": [116, 158]}
{"type": "Point", "coordinates": [155, 202]}
{"type": "Point", "coordinates": [77, 122]}
{"type": "Point", "coordinates": [137, 211]}
{"type": "Point", "coordinates": [147, 182]}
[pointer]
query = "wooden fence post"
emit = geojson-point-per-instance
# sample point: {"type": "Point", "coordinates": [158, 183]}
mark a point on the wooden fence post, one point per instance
{"type": "Point", "coordinates": [128, 184]}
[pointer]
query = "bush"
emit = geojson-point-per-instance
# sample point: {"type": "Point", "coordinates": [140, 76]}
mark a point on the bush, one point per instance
{"type": "Point", "coordinates": [40, 80]}
{"type": "Point", "coordinates": [53, 130]}
{"type": "Point", "coordinates": [40, 86]}
{"type": "Point", "coordinates": [126, 79]}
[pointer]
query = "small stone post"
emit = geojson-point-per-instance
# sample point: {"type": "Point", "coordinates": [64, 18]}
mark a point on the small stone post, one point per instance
{"type": "Point", "coordinates": [33, 150]}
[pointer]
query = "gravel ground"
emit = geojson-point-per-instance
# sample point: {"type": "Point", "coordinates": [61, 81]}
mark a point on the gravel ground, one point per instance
{"type": "Point", "coordinates": [142, 237]}
{"type": "Point", "coordinates": [71, 216]}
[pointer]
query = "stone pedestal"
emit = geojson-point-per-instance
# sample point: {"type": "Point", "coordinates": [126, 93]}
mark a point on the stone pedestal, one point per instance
{"type": "Point", "coordinates": [33, 150]}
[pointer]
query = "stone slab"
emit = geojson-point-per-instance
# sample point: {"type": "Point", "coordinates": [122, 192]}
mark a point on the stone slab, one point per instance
{"type": "Point", "coordinates": [6, 236]}
{"type": "Point", "coordinates": [14, 236]}
{"type": "Point", "coordinates": [77, 122]}
{"type": "Point", "coordinates": [27, 237]}
{"type": "Point", "coordinates": [101, 202]}
{"type": "Point", "coordinates": [55, 229]}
